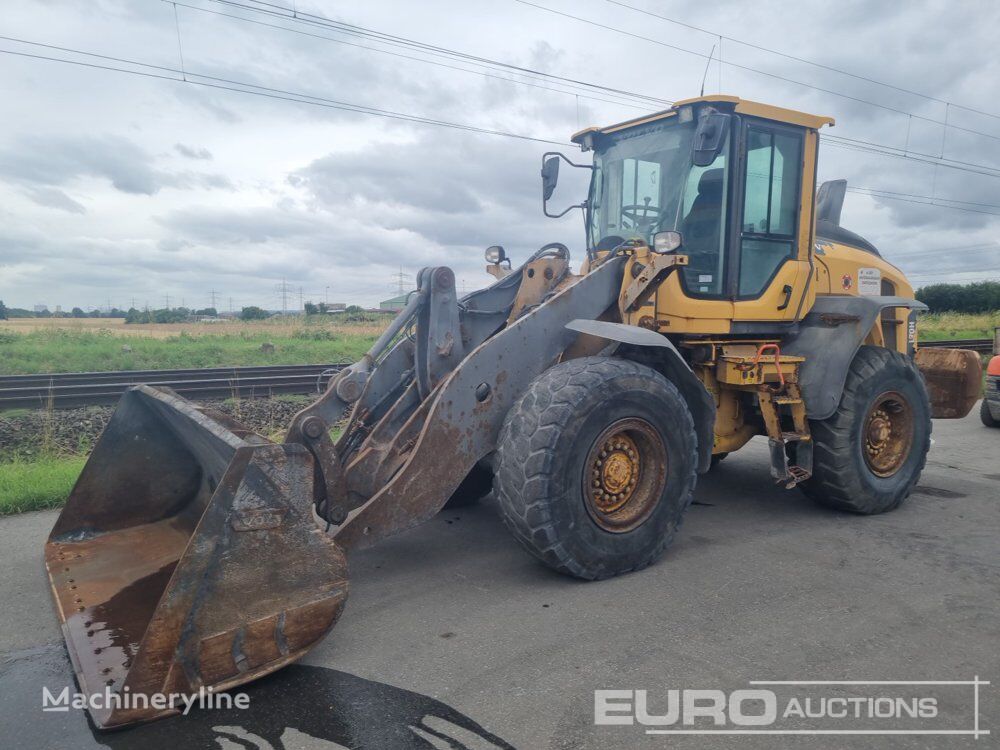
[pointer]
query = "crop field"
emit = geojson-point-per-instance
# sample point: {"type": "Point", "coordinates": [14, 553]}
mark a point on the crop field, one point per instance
{"type": "Point", "coordinates": [35, 345]}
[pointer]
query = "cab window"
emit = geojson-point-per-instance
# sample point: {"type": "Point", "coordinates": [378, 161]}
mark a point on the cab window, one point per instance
{"type": "Point", "coordinates": [770, 206]}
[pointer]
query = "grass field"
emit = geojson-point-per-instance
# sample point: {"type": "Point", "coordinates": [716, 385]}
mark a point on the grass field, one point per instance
{"type": "Point", "coordinates": [939, 326]}
{"type": "Point", "coordinates": [34, 345]}
{"type": "Point", "coordinates": [37, 485]}
{"type": "Point", "coordinates": [91, 345]}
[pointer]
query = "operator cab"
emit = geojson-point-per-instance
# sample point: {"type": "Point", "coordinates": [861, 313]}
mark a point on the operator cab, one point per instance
{"type": "Point", "coordinates": [726, 174]}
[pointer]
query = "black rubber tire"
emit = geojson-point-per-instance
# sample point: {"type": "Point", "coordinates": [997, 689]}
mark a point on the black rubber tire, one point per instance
{"type": "Point", "coordinates": [986, 416]}
{"type": "Point", "coordinates": [476, 485]}
{"type": "Point", "coordinates": [542, 450]}
{"type": "Point", "coordinates": [841, 477]}
{"type": "Point", "coordinates": [717, 458]}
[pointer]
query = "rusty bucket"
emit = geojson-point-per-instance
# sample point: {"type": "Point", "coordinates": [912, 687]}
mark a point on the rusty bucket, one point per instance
{"type": "Point", "coordinates": [954, 379]}
{"type": "Point", "coordinates": [187, 558]}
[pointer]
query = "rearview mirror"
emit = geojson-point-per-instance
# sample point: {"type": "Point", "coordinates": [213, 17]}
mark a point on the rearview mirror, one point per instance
{"type": "Point", "coordinates": [709, 137]}
{"type": "Point", "coordinates": [550, 176]}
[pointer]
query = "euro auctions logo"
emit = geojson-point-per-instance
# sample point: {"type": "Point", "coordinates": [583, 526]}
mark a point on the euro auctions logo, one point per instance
{"type": "Point", "coordinates": [800, 707]}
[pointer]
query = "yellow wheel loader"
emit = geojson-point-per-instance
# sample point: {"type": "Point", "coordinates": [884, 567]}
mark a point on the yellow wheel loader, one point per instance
{"type": "Point", "coordinates": [718, 299]}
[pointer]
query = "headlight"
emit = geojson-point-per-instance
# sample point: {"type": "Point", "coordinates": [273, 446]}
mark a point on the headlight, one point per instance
{"type": "Point", "coordinates": [667, 242]}
{"type": "Point", "coordinates": [495, 254]}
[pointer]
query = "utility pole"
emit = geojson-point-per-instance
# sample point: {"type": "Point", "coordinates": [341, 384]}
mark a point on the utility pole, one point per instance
{"type": "Point", "coordinates": [284, 297]}
{"type": "Point", "coordinates": [400, 279]}
{"type": "Point", "coordinates": [166, 299]}
{"type": "Point", "coordinates": [301, 305]}
{"type": "Point", "coordinates": [213, 300]}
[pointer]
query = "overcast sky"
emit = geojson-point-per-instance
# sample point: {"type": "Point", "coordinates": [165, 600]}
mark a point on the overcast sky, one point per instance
{"type": "Point", "coordinates": [121, 188]}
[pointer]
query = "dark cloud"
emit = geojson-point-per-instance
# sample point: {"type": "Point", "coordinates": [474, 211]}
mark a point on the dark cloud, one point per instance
{"type": "Point", "coordinates": [58, 160]}
{"type": "Point", "coordinates": [55, 198]}
{"type": "Point", "coordinates": [192, 152]}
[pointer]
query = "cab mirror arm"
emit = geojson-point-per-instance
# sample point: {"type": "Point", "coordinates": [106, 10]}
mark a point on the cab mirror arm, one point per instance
{"type": "Point", "coordinates": [550, 178]}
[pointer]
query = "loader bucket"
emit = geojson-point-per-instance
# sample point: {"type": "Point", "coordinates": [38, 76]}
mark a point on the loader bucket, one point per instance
{"type": "Point", "coordinates": [187, 558]}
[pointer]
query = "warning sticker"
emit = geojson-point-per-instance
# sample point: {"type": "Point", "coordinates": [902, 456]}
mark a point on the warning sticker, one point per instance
{"type": "Point", "coordinates": [869, 281]}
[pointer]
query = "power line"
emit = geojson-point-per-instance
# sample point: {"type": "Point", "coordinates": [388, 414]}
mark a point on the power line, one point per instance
{"type": "Point", "coordinates": [343, 27]}
{"type": "Point", "coordinates": [857, 189]}
{"type": "Point", "coordinates": [285, 95]}
{"type": "Point", "coordinates": [804, 60]}
{"type": "Point", "coordinates": [264, 91]}
{"type": "Point", "coordinates": [756, 70]}
{"type": "Point", "coordinates": [310, 19]}
{"type": "Point", "coordinates": [929, 203]}
{"type": "Point", "coordinates": [576, 90]}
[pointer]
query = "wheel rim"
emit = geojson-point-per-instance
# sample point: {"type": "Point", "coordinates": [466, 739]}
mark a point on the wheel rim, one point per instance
{"type": "Point", "coordinates": [624, 474]}
{"type": "Point", "coordinates": [888, 434]}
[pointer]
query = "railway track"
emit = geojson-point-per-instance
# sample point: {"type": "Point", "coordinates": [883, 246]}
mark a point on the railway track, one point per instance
{"type": "Point", "coordinates": [73, 389]}
{"type": "Point", "coordinates": [983, 346]}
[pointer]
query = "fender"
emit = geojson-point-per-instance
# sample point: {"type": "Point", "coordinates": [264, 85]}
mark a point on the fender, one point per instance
{"type": "Point", "coordinates": [657, 351]}
{"type": "Point", "coordinates": [828, 337]}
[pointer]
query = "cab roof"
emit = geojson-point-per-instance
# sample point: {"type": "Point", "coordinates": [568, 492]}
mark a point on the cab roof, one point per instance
{"type": "Point", "coordinates": [740, 106]}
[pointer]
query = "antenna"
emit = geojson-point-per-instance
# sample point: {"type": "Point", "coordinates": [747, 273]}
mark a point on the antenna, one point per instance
{"type": "Point", "coordinates": [704, 77]}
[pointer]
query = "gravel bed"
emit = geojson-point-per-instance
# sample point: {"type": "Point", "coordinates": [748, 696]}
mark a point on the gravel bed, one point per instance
{"type": "Point", "coordinates": [25, 435]}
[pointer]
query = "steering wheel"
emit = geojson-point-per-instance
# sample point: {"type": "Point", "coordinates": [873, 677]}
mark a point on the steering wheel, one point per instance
{"type": "Point", "coordinates": [641, 216]}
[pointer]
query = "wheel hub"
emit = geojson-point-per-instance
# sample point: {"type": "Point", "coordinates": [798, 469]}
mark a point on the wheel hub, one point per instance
{"type": "Point", "coordinates": [888, 434]}
{"type": "Point", "coordinates": [616, 470]}
{"type": "Point", "coordinates": [625, 472]}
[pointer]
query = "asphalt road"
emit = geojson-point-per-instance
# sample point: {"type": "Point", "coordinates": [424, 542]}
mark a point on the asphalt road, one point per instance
{"type": "Point", "coordinates": [452, 634]}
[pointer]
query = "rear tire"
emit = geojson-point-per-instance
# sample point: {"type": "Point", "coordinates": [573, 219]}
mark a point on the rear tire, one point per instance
{"type": "Point", "coordinates": [596, 465]}
{"type": "Point", "coordinates": [987, 416]}
{"type": "Point", "coordinates": [476, 485]}
{"type": "Point", "coordinates": [868, 456]}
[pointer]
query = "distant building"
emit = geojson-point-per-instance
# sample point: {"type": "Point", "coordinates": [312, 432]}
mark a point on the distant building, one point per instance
{"type": "Point", "coordinates": [337, 306]}
{"type": "Point", "coordinates": [396, 303]}
{"type": "Point", "coordinates": [41, 308]}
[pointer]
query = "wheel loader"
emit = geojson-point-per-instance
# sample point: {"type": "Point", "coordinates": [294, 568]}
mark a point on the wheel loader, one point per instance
{"type": "Point", "coordinates": [718, 298]}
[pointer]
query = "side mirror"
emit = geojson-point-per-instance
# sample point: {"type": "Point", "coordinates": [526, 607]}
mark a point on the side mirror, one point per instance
{"type": "Point", "coordinates": [709, 137]}
{"type": "Point", "coordinates": [550, 176]}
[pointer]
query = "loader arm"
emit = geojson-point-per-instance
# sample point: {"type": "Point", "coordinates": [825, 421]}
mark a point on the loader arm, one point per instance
{"type": "Point", "coordinates": [459, 424]}
{"type": "Point", "coordinates": [390, 390]}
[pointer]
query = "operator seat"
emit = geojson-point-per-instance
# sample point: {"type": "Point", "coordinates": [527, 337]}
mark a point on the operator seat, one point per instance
{"type": "Point", "coordinates": [702, 227]}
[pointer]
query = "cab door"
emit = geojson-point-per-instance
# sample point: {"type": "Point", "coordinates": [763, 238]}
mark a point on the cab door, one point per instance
{"type": "Point", "coordinates": [771, 247]}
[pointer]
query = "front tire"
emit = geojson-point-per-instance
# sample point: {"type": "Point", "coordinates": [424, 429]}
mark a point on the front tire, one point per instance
{"type": "Point", "coordinates": [987, 416]}
{"type": "Point", "coordinates": [868, 456]}
{"type": "Point", "coordinates": [596, 465]}
{"type": "Point", "coordinates": [477, 484]}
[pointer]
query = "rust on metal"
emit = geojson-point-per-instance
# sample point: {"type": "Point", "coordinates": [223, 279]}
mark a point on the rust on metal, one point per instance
{"type": "Point", "coordinates": [624, 474]}
{"type": "Point", "coordinates": [888, 433]}
{"type": "Point", "coordinates": [187, 557]}
{"type": "Point", "coordinates": [954, 380]}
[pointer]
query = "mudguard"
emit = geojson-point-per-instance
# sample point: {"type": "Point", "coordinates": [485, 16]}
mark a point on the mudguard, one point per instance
{"type": "Point", "coordinates": [659, 352]}
{"type": "Point", "coordinates": [829, 337]}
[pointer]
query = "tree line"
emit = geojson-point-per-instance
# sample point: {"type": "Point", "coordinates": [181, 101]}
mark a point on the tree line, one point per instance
{"type": "Point", "coordinates": [977, 297]}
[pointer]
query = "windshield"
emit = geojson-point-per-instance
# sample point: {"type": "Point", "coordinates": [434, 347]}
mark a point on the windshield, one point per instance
{"type": "Point", "coordinates": [644, 183]}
